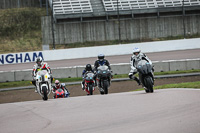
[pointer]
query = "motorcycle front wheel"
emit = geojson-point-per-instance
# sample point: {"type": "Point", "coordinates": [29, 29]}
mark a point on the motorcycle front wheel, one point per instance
{"type": "Point", "coordinates": [149, 84]}
{"type": "Point", "coordinates": [105, 86]}
{"type": "Point", "coordinates": [44, 89]}
{"type": "Point", "coordinates": [91, 89]}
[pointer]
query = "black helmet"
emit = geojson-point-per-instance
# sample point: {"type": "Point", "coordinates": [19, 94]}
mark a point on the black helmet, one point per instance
{"type": "Point", "coordinates": [88, 67]}
{"type": "Point", "coordinates": [101, 56]}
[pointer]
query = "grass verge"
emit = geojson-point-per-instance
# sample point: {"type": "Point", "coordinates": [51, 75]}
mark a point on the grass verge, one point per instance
{"type": "Point", "coordinates": [195, 85]}
{"type": "Point", "coordinates": [28, 83]}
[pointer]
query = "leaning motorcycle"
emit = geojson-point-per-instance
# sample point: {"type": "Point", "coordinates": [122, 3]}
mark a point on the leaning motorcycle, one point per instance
{"type": "Point", "coordinates": [103, 79]}
{"type": "Point", "coordinates": [89, 83]}
{"type": "Point", "coordinates": [144, 69]}
{"type": "Point", "coordinates": [43, 84]}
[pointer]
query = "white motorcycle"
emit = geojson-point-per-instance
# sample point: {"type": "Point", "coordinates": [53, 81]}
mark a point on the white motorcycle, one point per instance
{"type": "Point", "coordinates": [43, 83]}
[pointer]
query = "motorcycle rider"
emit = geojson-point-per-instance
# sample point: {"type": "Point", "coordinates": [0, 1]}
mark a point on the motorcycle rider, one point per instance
{"type": "Point", "coordinates": [58, 85]}
{"type": "Point", "coordinates": [40, 65]}
{"type": "Point", "coordinates": [137, 56]}
{"type": "Point", "coordinates": [88, 68]}
{"type": "Point", "coordinates": [100, 62]}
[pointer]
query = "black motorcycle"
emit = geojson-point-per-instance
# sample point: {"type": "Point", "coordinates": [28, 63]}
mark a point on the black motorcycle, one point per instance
{"type": "Point", "coordinates": [103, 79]}
{"type": "Point", "coordinates": [144, 69]}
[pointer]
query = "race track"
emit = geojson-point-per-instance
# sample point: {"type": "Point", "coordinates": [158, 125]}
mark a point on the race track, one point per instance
{"type": "Point", "coordinates": [157, 56]}
{"type": "Point", "coordinates": [165, 111]}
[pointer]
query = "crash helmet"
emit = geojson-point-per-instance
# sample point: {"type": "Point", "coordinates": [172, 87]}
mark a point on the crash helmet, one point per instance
{"type": "Point", "coordinates": [136, 50]}
{"type": "Point", "coordinates": [101, 57]}
{"type": "Point", "coordinates": [57, 83]}
{"type": "Point", "coordinates": [39, 61]}
{"type": "Point", "coordinates": [88, 67]}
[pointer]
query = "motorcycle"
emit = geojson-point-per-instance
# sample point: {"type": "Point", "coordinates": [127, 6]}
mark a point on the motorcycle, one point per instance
{"type": "Point", "coordinates": [144, 69]}
{"type": "Point", "coordinates": [60, 93]}
{"type": "Point", "coordinates": [43, 84]}
{"type": "Point", "coordinates": [103, 79]}
{"type": "Point", "coordinates": [89, 83]}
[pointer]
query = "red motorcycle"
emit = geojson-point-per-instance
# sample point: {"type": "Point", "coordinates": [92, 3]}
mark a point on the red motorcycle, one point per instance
{"type": "Point", "coordinates": [89, 83]}
{"type": "Point", "coordinates": [59, 93]}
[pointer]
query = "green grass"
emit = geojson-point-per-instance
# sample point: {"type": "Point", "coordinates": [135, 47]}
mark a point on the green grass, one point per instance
{"type": "Point", "coordinates": [28, 83]}
{"type": "Point", "coordinates": [180, 85]}
{"type": "Point", "coordinates": [177, 72]}
{"type": "Point", "coordinates": [15, 84]}
{"type": "Point", "coordinates": [195, 85]}
{"type": "Point", "coordinates": [20, 29]}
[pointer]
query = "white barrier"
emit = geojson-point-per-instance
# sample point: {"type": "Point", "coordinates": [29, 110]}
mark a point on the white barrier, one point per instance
{"type": "Point", "coordinates": [110, 50]}
{"type": "Point", "coordinates": [124, 68]}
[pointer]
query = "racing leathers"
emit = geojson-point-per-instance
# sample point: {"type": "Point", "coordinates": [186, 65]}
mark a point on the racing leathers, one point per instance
{"type": "Point", "coordinates": [55, 87]}
{"type": "Point", "coordinates": [135, 59]}
{"type": "Point", "coordinates": [36, 68]}
{"type": "Point", "coordinates": [101, 63]}
{"type": "Point", "coordinates": [83, 77]}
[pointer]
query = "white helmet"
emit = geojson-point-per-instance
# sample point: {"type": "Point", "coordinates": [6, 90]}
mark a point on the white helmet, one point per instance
{"type": "Point", "coordinates": [39, 61]}
{"type": "Point", "coordinates": [101, 57]}
{"type": "Point", "coordinates": [136, 50]}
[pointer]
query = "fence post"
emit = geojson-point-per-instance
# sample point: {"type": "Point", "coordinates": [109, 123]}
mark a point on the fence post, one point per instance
{"type": "Point", "coordinates": [47, 7]}
{"type": "Point", "coordinates": [40, 3]}
{"type": "Point", "coordinates": [18, 4]}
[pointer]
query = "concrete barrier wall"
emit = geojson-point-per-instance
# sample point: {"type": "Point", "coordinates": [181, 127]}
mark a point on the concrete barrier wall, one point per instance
{"type": "Point", "coordinates": [133, 29]}
{"type": "Point", "coordinates": [23, 75]}
{"type": "Point", "coordinates": [7, 76]}
{"type": "Point", "coordinates": [110, 50]}
{"type": "Point", "coordinates": [64, 72]}
{"type": "Point", "coordinates": [174, 65]}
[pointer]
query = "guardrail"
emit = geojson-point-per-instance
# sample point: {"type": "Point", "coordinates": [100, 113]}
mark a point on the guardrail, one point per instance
{"type": "Point", "coordinates": [163, 66]}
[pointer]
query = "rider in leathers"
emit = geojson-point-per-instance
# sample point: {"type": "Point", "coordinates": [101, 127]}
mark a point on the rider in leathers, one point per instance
{"type": "Point", "coordinates": [100, 62]}
{"type": "Point", "coordinates": [58, 85]}
{"type": "Point", "coordinates": [40, 65]}
{"type": "Point", "coordinates": [137, 56]}
{"type": "Point", "coordinates": [88, 68]}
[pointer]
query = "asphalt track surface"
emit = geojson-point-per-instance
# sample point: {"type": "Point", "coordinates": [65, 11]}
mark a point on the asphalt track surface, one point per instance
{"type": "Point", "coordinates": [164, 111]}
{"type": "Point", "coordinates": [157, 56]}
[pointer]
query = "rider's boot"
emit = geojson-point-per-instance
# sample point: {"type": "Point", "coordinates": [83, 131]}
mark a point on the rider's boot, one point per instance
{"type": "Point", "coordinates": [137, 80]}
{"type": "Point", "coordinates": [95, 83]}
{"type": "Point", "coordinates": [82, 85]}
{"type": "Point", "coordinates": [36, 91]}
